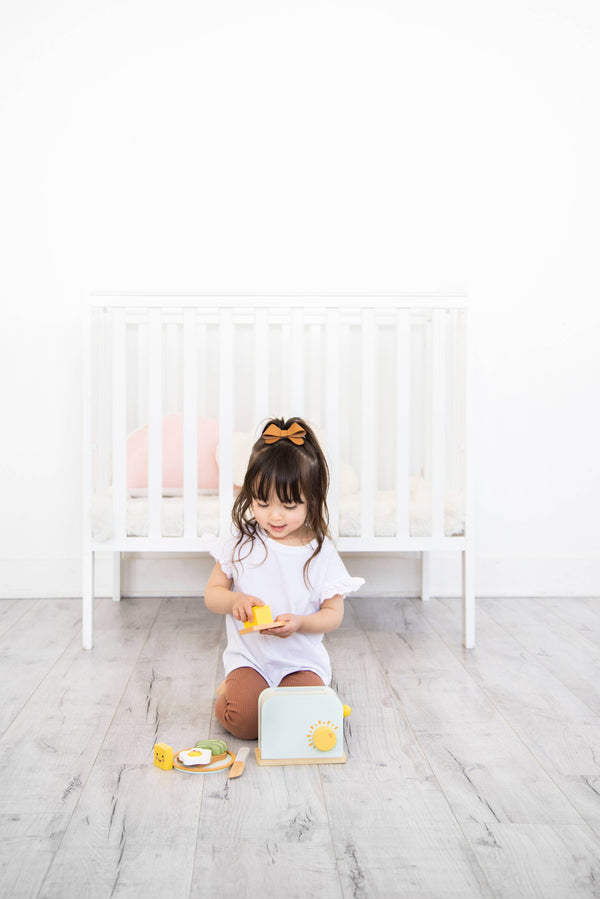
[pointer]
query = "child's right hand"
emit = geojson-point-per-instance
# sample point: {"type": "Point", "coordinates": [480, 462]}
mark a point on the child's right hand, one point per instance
{"type": "Point", "coordinates": [242, 606]}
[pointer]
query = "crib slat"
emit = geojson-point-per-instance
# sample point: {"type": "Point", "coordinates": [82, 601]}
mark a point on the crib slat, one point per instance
{"type": "Point", "coordinates": [226, 418]}
{"type": "Point", "coordinates": [315, 375]}
{"type": "Point", "coordinates": [261, 365]}
{"type": "Point", "coordinates": [332, 388]}
{"type": "Point", "coordinates": [296, 355]}
{"type": "Point", "coordinates": [403, 369]}
{"type": "Point", "coordinates": [171, 368]}
{"type": "Point", "coordinates": [438, 435]}
{"type": "Point", "coordinates": [190, 425]}
{"type": "Point", "coordinates": [347, 420]}
{"type": "Point", "coordinates": [119, 423]}
{"type": "Point", "coordinates": [141, 337]}
{"type": "Point", "coordinates": [201, 378]}
{"type": "Point", "coordinates": [102, 347]}
{"type": "Point", "coordinates": [453, 402]}
{"type": "Point", "coordinates": [154, 422]}
{"type": "Point", "coordinates": [368, 480]}
{"type": "Point", "coordinates": [420, 391]}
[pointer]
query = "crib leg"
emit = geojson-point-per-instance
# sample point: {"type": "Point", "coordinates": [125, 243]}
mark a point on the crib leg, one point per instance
{"type": "Point", "coordinates": [425, 576]}
{"type": "Point", "coordinates": [116, 577]}
{"type": "Point", "coordinates": [468, 597]}
{"type": "Point", "coordinates": [87, 601]}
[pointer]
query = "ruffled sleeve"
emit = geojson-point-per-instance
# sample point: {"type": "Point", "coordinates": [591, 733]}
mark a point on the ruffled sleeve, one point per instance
{"type": "Point", "coordinates": [221, 551]}
{"type": "Point", "coordinates": [342, 586]}
{"type": "Point", "coordinates": [336, 579]}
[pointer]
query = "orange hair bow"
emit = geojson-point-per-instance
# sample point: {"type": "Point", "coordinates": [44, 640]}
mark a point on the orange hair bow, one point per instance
{"type": "Point", "coordinates": [295, 433]}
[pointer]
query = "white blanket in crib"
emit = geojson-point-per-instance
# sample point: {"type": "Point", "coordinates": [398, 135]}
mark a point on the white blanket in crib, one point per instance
{"type": "Point", "coordinates": [349, 521]}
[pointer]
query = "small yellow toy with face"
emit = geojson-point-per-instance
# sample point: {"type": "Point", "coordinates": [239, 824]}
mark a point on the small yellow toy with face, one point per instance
{"type": "Point", "coordinates": [163, 756]}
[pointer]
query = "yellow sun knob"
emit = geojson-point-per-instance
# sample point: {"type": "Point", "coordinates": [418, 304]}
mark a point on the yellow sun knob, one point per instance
{"type": "Point", "coordinates": [324, 738]}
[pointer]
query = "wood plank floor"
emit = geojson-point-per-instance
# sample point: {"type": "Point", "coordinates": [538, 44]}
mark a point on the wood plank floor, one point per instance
{"type": "Point", "coordinates": [470, 773]}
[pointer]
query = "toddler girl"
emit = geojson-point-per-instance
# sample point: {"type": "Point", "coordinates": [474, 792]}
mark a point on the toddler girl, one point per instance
{"type": "Point", "coordinates": [280, 555]}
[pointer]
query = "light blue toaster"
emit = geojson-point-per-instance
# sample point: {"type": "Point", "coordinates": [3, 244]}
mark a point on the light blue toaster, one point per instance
{"type": "Point", "coordinates": [300, 726]}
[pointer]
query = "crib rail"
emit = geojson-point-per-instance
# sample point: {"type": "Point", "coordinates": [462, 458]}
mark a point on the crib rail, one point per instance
{"type": "Point", "coordinates": [382, 377]}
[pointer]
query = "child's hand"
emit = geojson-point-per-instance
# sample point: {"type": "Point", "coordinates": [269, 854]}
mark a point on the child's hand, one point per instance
{"type": "Point", "coordinates": [242, 606]}
{"type": "Point", "coordinates": [292, 624]}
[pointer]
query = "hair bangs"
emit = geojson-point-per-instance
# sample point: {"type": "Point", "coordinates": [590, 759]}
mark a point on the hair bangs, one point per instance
{"type": "Point", "coordinates": [284, 478]}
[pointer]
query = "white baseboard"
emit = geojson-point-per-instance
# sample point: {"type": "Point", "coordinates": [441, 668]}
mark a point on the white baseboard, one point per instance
{"type": "Point", "coordinates": [385, 575]}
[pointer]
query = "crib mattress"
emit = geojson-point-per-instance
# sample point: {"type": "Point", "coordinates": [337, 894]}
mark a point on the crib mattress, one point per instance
{"type": "Point", "coordinates": [349, 520]}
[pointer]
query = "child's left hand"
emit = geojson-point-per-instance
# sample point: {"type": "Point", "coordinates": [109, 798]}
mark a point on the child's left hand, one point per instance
{"type": "Point", "coordinates": [292, 624]}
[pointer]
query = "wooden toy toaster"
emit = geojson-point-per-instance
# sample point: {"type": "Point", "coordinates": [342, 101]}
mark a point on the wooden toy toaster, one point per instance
{"type": "Point", "coordinates": [300, 726]}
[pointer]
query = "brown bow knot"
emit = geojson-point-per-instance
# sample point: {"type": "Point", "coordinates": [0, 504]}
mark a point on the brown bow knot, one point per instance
{"type": "Point", "coordinates": [295, 433]}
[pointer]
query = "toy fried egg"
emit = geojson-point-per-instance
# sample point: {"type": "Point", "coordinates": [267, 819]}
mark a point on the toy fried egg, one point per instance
{"type": "Point", "coordinates": [195, 757]}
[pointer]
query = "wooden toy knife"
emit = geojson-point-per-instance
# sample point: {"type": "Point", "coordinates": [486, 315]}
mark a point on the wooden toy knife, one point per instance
{"type": "Point", "coordinates": [240, 762]}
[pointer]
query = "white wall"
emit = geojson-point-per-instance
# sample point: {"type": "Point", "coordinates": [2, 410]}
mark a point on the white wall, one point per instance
{"type": "Point", "coordinates": [330, 145]}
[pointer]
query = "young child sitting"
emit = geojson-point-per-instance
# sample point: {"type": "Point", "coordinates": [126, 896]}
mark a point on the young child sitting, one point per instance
{"type": "Point", "coordinates": [281, 555]}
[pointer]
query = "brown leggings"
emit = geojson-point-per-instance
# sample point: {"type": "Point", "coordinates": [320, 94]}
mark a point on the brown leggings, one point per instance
{"type": "Point", "coordinates": [237, 703]}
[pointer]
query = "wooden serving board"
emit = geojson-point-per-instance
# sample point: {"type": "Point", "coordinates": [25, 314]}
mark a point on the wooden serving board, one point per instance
{"type": "Point", "coordinates": [261, 627]}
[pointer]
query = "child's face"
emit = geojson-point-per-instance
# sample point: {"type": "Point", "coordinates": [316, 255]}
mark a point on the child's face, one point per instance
{"type": "Point", "coordinates": [281, 521]}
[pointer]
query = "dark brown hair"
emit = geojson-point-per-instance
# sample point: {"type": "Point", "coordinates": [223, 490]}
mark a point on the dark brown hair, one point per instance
{"type": "Point", "coordinates": [296, 472]}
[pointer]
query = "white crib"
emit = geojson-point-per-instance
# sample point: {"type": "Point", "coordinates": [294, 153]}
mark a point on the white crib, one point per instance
{"type": "Point", "coordinates": [384, 380]}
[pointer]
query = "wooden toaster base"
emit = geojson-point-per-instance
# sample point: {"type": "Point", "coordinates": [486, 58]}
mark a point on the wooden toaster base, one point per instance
{"type": "Point", "coordinates": [324, 761]}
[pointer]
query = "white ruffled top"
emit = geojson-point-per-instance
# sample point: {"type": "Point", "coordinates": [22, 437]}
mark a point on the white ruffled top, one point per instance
{"type": "Point", "coordinates": [274, 573]}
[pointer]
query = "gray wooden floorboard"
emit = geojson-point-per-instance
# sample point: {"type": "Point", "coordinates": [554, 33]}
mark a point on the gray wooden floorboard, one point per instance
{"type": "Point", "coordinates": [470, 773]}
{"type": "Point", "coordinates": [34, 636]}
